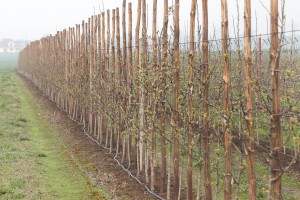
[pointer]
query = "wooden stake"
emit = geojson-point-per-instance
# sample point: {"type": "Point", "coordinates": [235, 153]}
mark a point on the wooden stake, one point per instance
{"type": "Point", "coordinates": [154, 101]}
{"type": "Point", "coordinates": [144, 93]}
{"type": "Point", "coordinates": [176, 102]}
{"type": "Point", "coordinates": [119, 67]}
{"type": "Point", "coordinates": [124, 66]}
{"type": "Point", "coordinates": [113, 71]}
{"type": "Point", "coordinates": [130, 77]}
{"type": "Point", "coordinates": [107, 78]}
{"type": "Point", "coordinates": [275, 137]}
{"type": "Point", "coordinates": [190, 103]}
{"type": "Point", "coordinates": [226, 106]}
{"type": "Point", "coordinates": [162, 99]}
{"type": "Point", "coordinates": [137, 79]}
{"type": "Point", "coordinates": [249, 104]}
{"type": "Point", "coordinates": [205, 122]}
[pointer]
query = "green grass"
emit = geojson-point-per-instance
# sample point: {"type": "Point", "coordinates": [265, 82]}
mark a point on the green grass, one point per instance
{"type": "Point", "coordinates": [34, 163]}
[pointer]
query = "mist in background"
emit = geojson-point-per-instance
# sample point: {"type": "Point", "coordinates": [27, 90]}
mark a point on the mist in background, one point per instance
{"type": "Point", "coordinates": [34, 19]}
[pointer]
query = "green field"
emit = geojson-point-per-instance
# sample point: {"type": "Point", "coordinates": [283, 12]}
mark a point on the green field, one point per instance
{"type": "Point", "coordinates": [33, 161]}
{"type": "Point", "coordinates": [8, 60]}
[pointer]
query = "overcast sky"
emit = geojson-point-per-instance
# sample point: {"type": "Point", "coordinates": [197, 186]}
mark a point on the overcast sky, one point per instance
{"type": "Point", "coordinates": [33, 19]}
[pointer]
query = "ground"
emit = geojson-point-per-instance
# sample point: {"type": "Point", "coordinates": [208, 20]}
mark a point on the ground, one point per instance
{"type": "Point", "coordinates": [45, 155]}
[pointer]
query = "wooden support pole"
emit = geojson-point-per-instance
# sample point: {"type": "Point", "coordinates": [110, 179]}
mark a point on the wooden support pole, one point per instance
{"type": "Point", "coordinates": [113, 72]}
{"type": "Point", "coordinates": [176, 102]}
{"type": "Point", "coordinates": [125, 86]}
{"type": "Point", "coordinates": [275, 137]}
{"type": "Point", "coordinates": [137, 81]}
{"type": "Point", "coordinates": [119, 67]}
{"type": "Point", "coordinates": [205, 86]}
{"type": "Point", "coordinates": [190, 103]}
{"type": "Point", "coordinates": [130, 73]}
{"type": "Point", "coordinates": [154, 101]}
{"type": "Point", "coordinates": [162, 99]}
{"type": "Point", "coordinates": [107, 78]}
{"type": "Point", "coordinates": [249, 104]}
{"type": "Point", "coordinates": [226, 105]}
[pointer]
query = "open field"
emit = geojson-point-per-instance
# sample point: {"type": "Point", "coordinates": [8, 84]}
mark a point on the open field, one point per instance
{"type": "Point", "coordinates": [9, 60]}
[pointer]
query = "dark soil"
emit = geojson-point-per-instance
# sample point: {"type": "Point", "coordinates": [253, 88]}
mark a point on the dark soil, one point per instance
{"type": "Point", "coordinates": [263, 148]}
{"type": "Point", "coordinates": [94, 160]}
{"type": "Point", "coordinates": [262, 153]}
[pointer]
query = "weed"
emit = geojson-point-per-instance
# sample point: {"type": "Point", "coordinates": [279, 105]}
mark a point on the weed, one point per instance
{"type": "Point", "coordinates": [3, 191]}
{"type": "Point", "coordinates": [22, 119]}
{"type": "Point", "coordinates": [19, 183]}
{"type": "Point", "coordinates": [41, 155]}
{"type": "Point", "coordinates": [24, 139]}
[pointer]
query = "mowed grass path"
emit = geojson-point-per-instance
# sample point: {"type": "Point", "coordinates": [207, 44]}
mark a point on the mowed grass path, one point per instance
{"type": "Point", "coordinates": [34, 163]}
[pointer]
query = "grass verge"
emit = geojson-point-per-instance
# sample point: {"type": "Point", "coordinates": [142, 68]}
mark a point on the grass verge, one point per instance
{"type": "Point", "coordinates": [34, 163]}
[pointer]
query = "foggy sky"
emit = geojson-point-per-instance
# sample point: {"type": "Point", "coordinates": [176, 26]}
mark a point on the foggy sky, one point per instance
{"type": "Point", "coordinates": [33, 19]}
